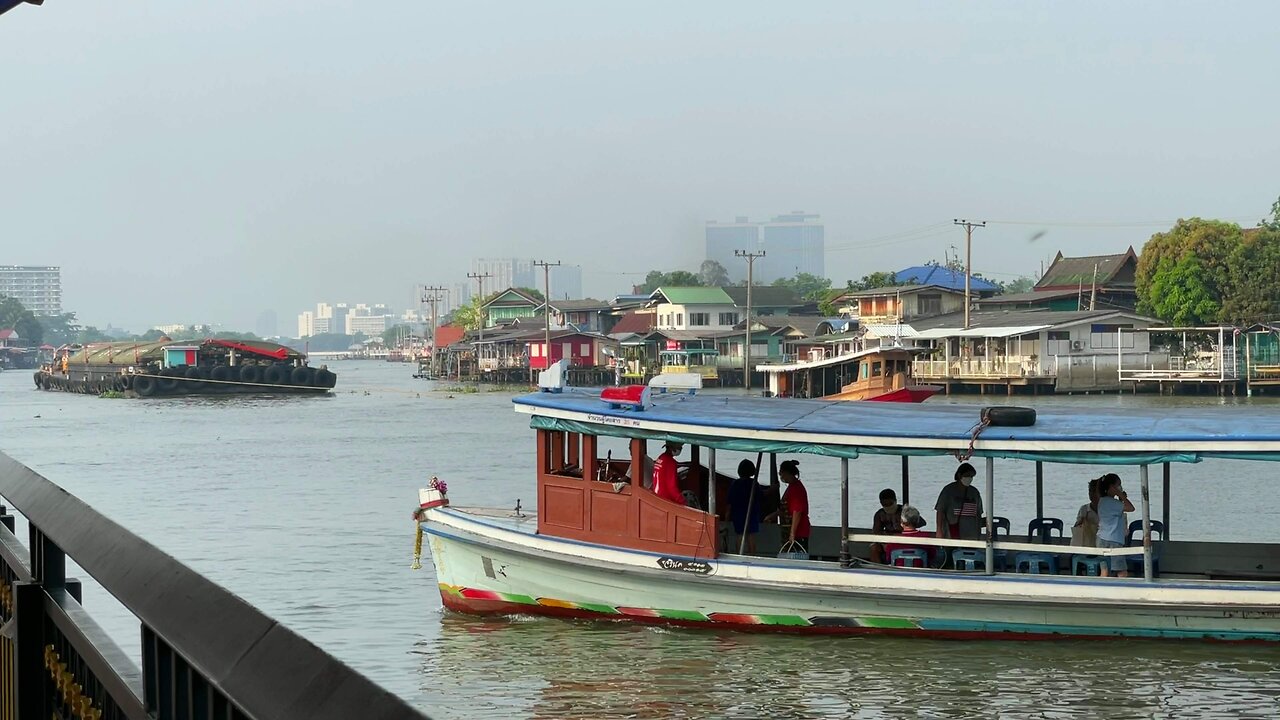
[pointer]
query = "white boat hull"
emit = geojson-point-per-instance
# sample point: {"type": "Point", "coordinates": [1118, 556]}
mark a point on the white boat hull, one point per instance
{"type": "Point", "coordinates": [489, 566]}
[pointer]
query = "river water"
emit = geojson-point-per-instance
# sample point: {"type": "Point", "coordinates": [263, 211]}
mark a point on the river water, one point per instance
{"type": "Point", "coordinates": [301, 506]}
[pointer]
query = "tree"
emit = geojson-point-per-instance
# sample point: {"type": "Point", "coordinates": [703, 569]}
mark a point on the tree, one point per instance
{"type": "Point", "coordinates": [713, 274]}
{"type": "Point", "coordinates": [1211, 242]}
{"type": "Point", "coordinates": [878, 279]}
{"type": "Point", "coordinates": [1253, 275]}
{"type": "Point", "coordinates": [14, 315]}
{"type": "Point", "coordinates": [805, 285]}
{"type": "Point", "coordinates": [392, 334]}
{"type": "Point", "coordinates": [61, 329]}
{"type": "Point", "coordinates": [1180, 292]}
{"type": "Point", "coordinates": [533, 292]}
{"type": "Point", "coordinates": [1018, 285]}
{"type": "Point", "coordinates": [1273, 222]}
{"type": "Point", "coordinates": [676, 278]}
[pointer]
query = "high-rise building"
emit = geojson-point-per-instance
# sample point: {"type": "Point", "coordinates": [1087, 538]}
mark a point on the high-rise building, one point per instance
{"type": "Point", "coordinates": [565, 280]}
{"type": "Point", "coordinates": [38, 288]}
{"type": "Point", "coordinates": [793, 243]}
{"type": "Point", "coordinates": [266, 325]}
{"type": "Point", "coordinates": [724, 239]}
{"type": "Point", "coordinates": [306, 324]}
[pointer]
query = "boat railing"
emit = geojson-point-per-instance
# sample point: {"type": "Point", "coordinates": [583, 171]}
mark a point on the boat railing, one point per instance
{"type": "Point", "coordinates": [205, 652]}
{"type": "Point", "coordinates": [997, 545]}
{"type": "Point", "coordinates": [1004, 367]}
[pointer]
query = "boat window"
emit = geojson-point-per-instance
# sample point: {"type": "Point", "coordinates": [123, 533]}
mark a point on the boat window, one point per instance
{"type": "Point", "coordinates": [875, 369]}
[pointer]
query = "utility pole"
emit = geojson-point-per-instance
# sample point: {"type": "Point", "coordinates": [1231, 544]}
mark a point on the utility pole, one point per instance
{"type": "Point", "coordinates": [433, 295]}
{"type": "Point", "coordinates": [1093, 294]}
{"type": "Point", "coordinates": [746, 350]}
{"type": "Point", "coordinates": [546, 305]}
{"type": "Point", "coordinates": [968, 260]}
{"type": "Point", "coordinates": [479, 278]}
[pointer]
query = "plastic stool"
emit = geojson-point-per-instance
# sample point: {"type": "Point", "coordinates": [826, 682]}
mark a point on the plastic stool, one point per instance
{"type": "Point", "coordinates": [1091, 564]}
{"type": "Point", "coordinates": [968, 558]}
{"type": "Point", "coordinates": [910, 556]}
{"type": "Point", "coordinates": [1033, 561]}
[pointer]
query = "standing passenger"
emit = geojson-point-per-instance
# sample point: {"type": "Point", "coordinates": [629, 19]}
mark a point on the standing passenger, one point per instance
{"type": "Point", "coordinates": [666, 484]}
{"type": "Point", "coordinates": [1113, 503]}
{"type": "Point", "coordinates": [795, 503]}
{"type": "Point", "coordinates": [959, 506]}
{"type": "Point", "coordinates": [746, 500]}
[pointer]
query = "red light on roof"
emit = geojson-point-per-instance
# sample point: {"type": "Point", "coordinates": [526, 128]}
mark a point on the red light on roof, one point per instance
{"type": "Point", "coordinates": [634, 397]}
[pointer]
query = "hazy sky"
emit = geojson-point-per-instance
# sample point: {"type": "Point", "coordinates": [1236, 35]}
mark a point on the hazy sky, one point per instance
{"type": "Point", "coordinates": [206, 161]}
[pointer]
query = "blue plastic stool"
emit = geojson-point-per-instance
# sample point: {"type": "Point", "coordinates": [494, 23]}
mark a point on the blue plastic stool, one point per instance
{"type": "Point", "coordinates": [910, 555]}
{"type": "Point", "coordinates": [1033, 561]}
{"type": "Point", "coordinates": [968, 559]}
{"type": "Point", "coordinates": [1091, 564]}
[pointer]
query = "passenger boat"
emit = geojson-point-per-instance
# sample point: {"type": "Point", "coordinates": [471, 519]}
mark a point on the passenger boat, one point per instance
{"type": "Point", "coordinates": [603, 546]}
{"type": "Point", "coordinates": [168, 367]}
{"type": "Point", "coordinates": [700, 361]}
{"type": "Point", "coordinates": [882, 374]}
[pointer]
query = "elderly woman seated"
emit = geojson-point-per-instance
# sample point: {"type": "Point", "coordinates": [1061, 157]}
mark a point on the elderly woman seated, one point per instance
{"type": "Point", "coordinates": [911, 524]}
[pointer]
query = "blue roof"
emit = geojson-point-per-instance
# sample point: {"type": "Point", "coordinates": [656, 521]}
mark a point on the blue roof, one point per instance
{"type": "Point", "coordinates": [1061, 434]}
{"type": "Point", "coordinates": [942, 277]}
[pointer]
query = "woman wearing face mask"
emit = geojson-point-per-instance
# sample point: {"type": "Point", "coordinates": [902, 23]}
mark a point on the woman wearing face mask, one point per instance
{"type": "Point", "coordinates": [959, 506]}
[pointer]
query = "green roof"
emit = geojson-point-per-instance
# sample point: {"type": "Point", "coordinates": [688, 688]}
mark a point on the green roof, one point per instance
{"type": "Point", "coordinates": [694, 295]}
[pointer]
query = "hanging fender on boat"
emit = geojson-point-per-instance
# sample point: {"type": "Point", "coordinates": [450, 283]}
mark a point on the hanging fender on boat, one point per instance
{"type": "Point", "coordinates": [998, 416]}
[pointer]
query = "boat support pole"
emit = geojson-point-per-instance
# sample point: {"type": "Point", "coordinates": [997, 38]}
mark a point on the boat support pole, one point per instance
{"type": "Point", "coordinates": [990, 563]}
{"type": "Point", "coordinates": [844, 512]}
{"type": "Point", "coordinates": [1039, 489]}
{"type": "Point", "coordinates": [906, 480]}
{"type": "Point", "coordinates": [1165, 496]}
{"type": "Point", "coordinates": [711, 482]}
{"type": "Point", "coordinates": [1146, 525]}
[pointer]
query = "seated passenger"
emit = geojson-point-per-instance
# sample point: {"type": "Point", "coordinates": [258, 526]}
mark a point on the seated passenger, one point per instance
{"type": "Point", "coordinates": [746, 507]}
{"type": "Point", "coordinates": [666, 482]}
{"type": "Point", "coordinates": [1085, 531]}
{"type": "Point", "coordinates": [911, 524]}
{"type": "Point", "coordinates": [886, 521]}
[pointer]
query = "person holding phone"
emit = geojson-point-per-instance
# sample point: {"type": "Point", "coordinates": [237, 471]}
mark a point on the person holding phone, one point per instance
{"type": "Point", "coordinates": [1113, 503]}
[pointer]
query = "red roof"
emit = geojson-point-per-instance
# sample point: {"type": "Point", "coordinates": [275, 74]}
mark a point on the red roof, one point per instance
{"type": "Point", "coordinates": [634, 322]}
{"type": "Point", "coordinates": [447, 335]}
{"type": "Point", "coordinates": [8, 333]}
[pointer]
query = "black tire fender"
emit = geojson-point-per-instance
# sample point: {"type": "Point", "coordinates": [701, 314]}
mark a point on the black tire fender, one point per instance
{"type": "Point", "coordinates": [144, 385]}
{"type": "Point", "coordinates": [277, 374]}
{"type": "Point", "coordinates": [250, 374]}
{"type": "Point", "coordinates": [222, 373]}
{"type": "Point", "coordinates": [1007, 416]}
{"type": "Point", "coordinates": [301, 375]}
{"type": "Point", "coordinates": [322, 378]}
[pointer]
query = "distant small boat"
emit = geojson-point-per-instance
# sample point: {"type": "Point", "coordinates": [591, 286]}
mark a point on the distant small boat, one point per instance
{"type": "Point", "coordinates": [879, 374]}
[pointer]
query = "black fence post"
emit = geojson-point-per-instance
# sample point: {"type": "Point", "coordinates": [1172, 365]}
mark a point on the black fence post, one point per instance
{"type": "Point", "coordinates": [32, 678]}
{"type": "Point", "coordinates": [5, 518]}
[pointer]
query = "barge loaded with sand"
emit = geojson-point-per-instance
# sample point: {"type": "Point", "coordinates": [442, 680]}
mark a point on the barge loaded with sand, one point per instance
{"type": "Point", "coordinates": [190, 367]}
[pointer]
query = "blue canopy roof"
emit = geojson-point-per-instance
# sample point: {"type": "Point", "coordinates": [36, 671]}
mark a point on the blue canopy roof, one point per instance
{"type": "Point", "coordinates": [845, 429]}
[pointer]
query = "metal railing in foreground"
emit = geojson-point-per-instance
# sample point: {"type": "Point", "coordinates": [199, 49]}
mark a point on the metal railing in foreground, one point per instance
{"type": "Point", "coordinates": [206, 653]}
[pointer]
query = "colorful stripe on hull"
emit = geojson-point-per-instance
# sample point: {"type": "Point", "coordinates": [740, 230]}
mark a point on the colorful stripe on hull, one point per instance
{"type": "Point", "coordinates": [490, 602]}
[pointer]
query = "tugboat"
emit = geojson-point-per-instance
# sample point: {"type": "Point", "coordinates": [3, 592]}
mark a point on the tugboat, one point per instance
{"type": "Point", "coordinates": [192, 367]}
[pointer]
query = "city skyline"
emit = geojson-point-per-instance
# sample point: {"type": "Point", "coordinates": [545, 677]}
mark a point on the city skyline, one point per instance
{"type": "Point", "coordinates": [285, 158]}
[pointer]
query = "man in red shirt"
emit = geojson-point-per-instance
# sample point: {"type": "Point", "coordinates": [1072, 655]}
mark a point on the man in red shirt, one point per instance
{"type": "Point", "coordinates": [795, 502]}
{"type": "Point", "coordinates": [666, 484]}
